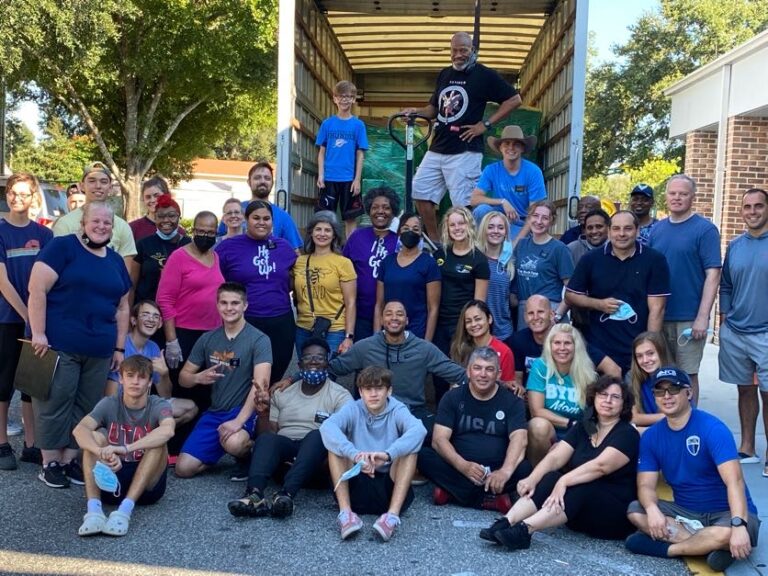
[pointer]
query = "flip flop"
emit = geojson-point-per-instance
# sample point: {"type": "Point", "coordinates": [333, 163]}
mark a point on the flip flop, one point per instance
{"type": "Point", "coordinates": [93, 523]}
{"type": "Point", "coordinates": [745, 458]}
{"type": "Point", "coordinates": [117, 524]}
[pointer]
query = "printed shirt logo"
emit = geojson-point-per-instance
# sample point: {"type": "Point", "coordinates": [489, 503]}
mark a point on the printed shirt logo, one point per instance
{"type": "Point", "coordinates": [378, 253]}
{"type": "Point", "coordinates": [262, 263]}
{"type": "Point", "coordinates": [529, 267]}
{"type": "Point", "coordinates": [454, 102]}
{"type": "Point", "coordinates": [339, 143]}
{"type": "Point", "coordinates": [31, 248]}
{"type": "Point", "coordinates": [693, 444]}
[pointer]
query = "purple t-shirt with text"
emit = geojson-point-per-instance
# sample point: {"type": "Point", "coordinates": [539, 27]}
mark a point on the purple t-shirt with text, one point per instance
{"type": "Point", "coordinates": [367, 250]}
{"type": "Point", "coordinates": [264, 268]}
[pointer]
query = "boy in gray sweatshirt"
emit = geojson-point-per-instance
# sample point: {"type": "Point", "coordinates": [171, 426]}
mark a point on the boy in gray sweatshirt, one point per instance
{"type": "Point", "coordinates": [377, 438]}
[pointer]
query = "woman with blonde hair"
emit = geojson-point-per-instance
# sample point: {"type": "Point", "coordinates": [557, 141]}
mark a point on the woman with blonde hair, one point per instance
{"type": "Point", "coordinates": [492, 239]}
{"type": "Point", "coordinates": [557, 385]}
{"type": "Point", "coordinates": [543, 264]}
{"type": "Point", "coordinates": [649, 353]}
{"type": "Point", "coordinates": [465, 274]}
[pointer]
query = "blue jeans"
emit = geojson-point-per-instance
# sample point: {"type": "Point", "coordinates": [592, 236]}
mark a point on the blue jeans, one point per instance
{"type": "Point", "coordinates": [334, 339]}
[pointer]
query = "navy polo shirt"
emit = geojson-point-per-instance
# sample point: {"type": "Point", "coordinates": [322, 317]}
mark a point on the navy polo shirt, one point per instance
{"type": "Point", "coordinates": [600, 274]}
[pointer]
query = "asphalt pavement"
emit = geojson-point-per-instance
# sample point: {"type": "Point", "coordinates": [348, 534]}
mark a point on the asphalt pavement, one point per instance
{"type": "Point", "coordinates": [190, 532]}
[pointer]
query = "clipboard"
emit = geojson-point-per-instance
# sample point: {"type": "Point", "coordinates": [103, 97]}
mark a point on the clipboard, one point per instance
{"type": "Point", "coordinates": [34, 375]}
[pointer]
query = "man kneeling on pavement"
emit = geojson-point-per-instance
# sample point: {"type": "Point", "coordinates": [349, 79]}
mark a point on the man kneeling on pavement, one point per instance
{"type": "Point", "coordinates": [479, 440]}
{"type": "Point", "coordinates": [124, 441]}
{"type": "Point", "coordinates": [291, 434]}
{"type": "Point", "coordinates": [372, 446]}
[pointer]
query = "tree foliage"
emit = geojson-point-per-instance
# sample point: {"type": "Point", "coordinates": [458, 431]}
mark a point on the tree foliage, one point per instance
{"type": "Point", "coordinates": [154, 82]}
{"type": "Point", "coordinates": [616, 187]}
{"type": "Point", "coordinates": [58, 157]}
{"type": "Point", "coordinates": [627, 114]}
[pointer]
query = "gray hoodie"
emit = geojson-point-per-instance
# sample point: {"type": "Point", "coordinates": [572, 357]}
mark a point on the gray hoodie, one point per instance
{"type": "Point", "coordinates": [410, 363]}
{"type": "Point", "coordinates": [353, 429]}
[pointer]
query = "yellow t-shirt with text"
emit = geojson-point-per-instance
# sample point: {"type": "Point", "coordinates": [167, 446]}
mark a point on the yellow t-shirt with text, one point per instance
{"type": "Point", "coordinates": [326, 273]}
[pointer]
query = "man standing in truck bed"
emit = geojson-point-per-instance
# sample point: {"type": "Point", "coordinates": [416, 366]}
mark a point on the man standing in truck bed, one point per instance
{"type": "Point", "coordinates": [454, 159]}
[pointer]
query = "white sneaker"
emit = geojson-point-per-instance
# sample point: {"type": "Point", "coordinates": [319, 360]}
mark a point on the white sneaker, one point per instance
{"type": "Point", "coordinates": [14, 429]}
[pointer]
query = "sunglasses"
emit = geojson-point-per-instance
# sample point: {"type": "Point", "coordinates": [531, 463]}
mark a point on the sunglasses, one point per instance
{"type": "Point", "coordinates": [672, 390]}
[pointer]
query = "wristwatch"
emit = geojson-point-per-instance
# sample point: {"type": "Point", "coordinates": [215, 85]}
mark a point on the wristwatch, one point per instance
{"type": "Point", "coordinates": [488, 124]}
{"type": "Point", "coordinates": [350, 336]}
{"type": "Point", "coordinates": [736, 522]}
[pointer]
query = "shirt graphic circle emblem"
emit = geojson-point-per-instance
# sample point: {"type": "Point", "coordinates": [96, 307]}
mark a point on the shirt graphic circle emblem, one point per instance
{"type": "Point", "coordinates": [453, 103]}
{"type": "Point", "coordinates": [500, 415]}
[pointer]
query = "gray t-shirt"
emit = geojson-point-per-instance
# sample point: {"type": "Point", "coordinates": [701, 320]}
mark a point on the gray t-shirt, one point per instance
{"type": "Point", "coordinates": [125, 425]}
{"type": "Point", "coordinates": [237, 358]}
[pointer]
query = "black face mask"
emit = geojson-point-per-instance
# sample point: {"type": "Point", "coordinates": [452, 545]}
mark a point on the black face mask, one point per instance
{"type": "Point", "coordinates": [94, 245]}
{"type": "Point", "coordinates": [410, 239]}
{"type": "Point", "coordinates": [204, 243]}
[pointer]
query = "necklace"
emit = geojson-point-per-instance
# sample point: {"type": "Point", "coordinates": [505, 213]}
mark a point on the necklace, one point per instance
{"type": "Point", "coordinates": [596, 439]}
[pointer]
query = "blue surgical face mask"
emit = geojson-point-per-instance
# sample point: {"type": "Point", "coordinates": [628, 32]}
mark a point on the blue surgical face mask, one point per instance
{"type": "Point", "coordinates": [314, 377]}
{"type": "Point", "coordinates": [170, 236]}
{"type": "Point", "coordinates": [105, 478]}
{"type": "Point", "coordinates": [349, 474]}
{"type": "Point", "coordinates": [507, 250]}
{"type": "Point", "coordinates": [687, 335]}
{"type": "Point", "coordinates": [624, 312]}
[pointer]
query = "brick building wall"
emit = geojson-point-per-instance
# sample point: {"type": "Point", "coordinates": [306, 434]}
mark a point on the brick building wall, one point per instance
{"type": "Point", "coordinates": [700, 158]}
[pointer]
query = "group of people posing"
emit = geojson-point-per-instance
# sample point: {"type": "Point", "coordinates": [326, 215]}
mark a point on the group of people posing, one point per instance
{"type": "Point", "coordinates": [563, 372]}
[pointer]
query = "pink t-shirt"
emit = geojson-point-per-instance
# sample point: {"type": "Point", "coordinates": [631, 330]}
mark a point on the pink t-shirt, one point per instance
{"type": "Point", "coordinates": [187, 291]}
{"type": "Point", "coordinates": [506, 359]}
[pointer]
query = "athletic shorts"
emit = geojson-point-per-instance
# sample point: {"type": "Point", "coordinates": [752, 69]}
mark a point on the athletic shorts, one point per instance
{"type": "Point", "coordinates": [125, 477]}
{"type": "Point", "coordinates": [743, 355]}
{"type": "Point", "coordinates": [203, 442]}
{"type": "Point", "coordinates": [685, 351]}
{"type": "Point", "coordinates": [457, 173]}
{"type": "Point", "coordinates": [672, 510]}
{"type": "Point", "coordinates": [372, 495]}
{"type": "Point", "coordinates": [10, 350]}
{"type": "Point", "coordinates": [340, 194]}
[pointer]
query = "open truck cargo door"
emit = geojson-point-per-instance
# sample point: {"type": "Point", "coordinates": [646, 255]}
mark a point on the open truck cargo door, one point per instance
{"type": "Point", "coordinates": [393, 50]}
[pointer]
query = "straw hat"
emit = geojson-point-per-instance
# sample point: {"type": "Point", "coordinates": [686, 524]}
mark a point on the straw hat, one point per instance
{"type": "Point", "coordinates": [512, 133]}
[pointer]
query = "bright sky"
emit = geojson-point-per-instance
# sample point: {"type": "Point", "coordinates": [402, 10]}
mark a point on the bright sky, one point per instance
{"type": "Point", "coordinates": [609, 20]}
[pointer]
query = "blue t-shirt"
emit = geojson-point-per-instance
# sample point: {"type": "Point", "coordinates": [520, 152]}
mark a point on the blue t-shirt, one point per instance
{"type": "Point", "coordinates": [498, 300]}
{"type": "Point", "coordinates": [541, 269]}
{"type": "Point", "coordinates": [519, 189]}
{"type": "Point", "coordinates": [689, 458]}
{"type": "Point", "coordinates": [81, 305]}
{"type": "Point", "coordinates": [647, 399]}
{"type": "Point", "coordinates": [690, 247]}
{"type": "Point", "coordinates": [264, 267]}
{"type": "Point", "coordinates": [283, 226]}
{"type": "Point", "coordinates": [150, 350]}
{"type": "Point", "coordinates": [600, 274]}
{"type": "Point", "coordinates": [409, 286]}
{"type": "Point", "coordinates": [342, 138]}
{"type": "Point", "coordinates": [559, 392]}
{"type": "Point", "coordinates": [19, 246]}
{"type": "Point", "coordinates": [367, 251]}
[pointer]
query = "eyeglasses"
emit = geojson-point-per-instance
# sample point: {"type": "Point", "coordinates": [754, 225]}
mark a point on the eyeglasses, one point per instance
{"type": "Point", "coordinates": [149, 316]}
{"type": "Point", "coordinates": [313, 358]}
{"type": "Point", "coordinates": [345, 97]}
{"type": "Point", "coordinates": [233, 213]}
{"type": "Point", "coordinates": [204, 233]}
{"type": "Point", "coordinates": [673, 391]}
{"type": "Point", "coordinates": [612, 397]}
{"type": "Point", "coordinates": [26, 196]}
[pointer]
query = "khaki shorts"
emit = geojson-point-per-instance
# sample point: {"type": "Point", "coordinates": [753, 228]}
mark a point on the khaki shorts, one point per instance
{"type": "Point", "coordinates": [457, 173]}
{"type": "Point", "coordinates": [686, 353]}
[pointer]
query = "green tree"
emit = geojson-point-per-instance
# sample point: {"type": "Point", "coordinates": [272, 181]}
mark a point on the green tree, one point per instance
{"type": "Point", "coordinates": [627, 114]}
{"type": "Point", "coordinates": [58, 157]}
{"type": "Point", "coordinates": [617, 186]}
{"type": "Point", "coordinates": [155, 82]}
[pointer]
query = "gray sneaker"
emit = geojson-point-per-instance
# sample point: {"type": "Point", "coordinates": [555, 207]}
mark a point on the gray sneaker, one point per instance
{"type": "Point", "coordinates": [7, 459]}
